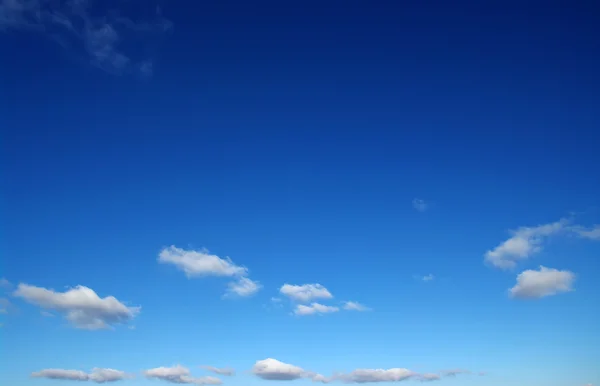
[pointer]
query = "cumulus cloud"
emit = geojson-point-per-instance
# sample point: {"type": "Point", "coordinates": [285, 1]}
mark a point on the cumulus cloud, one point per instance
{"type": "Point", "coordinates": [274, 370]}
{"type": "Point", "coordinates": [243, 287]}
{"type": "Point", "coordinates": [82, 307]}
{"type": "Point", "coordinates": [523, 243]}
{"type": "Point", "coordinates": [532, 284]}
{"type": "Point", "coordinates": [180, 375]}
{"type": "Point", "coordinates": [314, 308]}
{"type": "Point", "coordinates": [355, 306]}
{"type": "Point", "coordinates": [200, 263]}
{"type": "Point", "coordinates": [97, 375]}
{"type": "Point", "coordinates": [420, 204]}
{"type": "Point", "coordinates": [306, 292]}
{"type": "Point", "coordinates": [108, 38]}
{"type": "Point", "coordinates": [221, 371]}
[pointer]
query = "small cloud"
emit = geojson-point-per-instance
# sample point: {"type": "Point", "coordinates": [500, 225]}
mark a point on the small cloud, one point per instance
{"type": "Point", "coordinates": [420, 204]}
{"type": "Point", "coordinates": [524, 242]}
{"type": "Point", "coordinates": [532, 284]}
{"type": "Point", "coordinates": [82, 307]}
{"type": "Point", "coordinates": [454, 372]}
{"type": "Point", "coordinates": [592, 233]}
{"type": "Point", "coordinates": [276, 300]}
{"type": "Point", "coordinates": [243, 287]}
{"type": "Point", "coordinates": [47, 314]}
{"type": "Point", "coordinates": [314, 308]}
{"type": "Point", "coordinates": [377, 375]}
{"type": "Point", "coordinates": [200, 263]}
{"type": "Point", "coordinates": [355, 306]}
{"type": "Point", "coordinates": [273, 370]}
{"type": "Point", "coordinates": [97, 375]}
{"type": "Point", "coordinates": [429, 377]}
{"type": "Point", "coordinates": [427, 278]}
{"type": "Point", "coordinates": [179, 375]}
{"type": "Point", "coordinates": [221, 371]}
{"type": "Point", "coordinates": [306, 292]}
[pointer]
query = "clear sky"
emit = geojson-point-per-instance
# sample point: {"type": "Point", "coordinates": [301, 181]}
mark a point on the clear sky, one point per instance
{"type": "Point", "coordinates": [299, 192]}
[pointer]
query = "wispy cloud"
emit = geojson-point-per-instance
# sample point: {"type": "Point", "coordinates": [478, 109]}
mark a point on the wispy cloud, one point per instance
{"type": "Point", "coordinates": [527, 241]}
{"type": "Point", "coordinates": [355, 306]}
{"type": "Point", "coordinates": [109, 39]}
{"type": "Point", "coordinates": [179, 375]}
{"type": "Point", "coordinates": [97, 375]}
{"type": "Point", "coordinates": [221, 371]}
{"type": "Point", "coordinates": [4, 283]}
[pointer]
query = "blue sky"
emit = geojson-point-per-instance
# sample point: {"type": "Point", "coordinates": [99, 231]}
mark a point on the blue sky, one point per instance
{"type": "Point", "coordinates": [268, 193]}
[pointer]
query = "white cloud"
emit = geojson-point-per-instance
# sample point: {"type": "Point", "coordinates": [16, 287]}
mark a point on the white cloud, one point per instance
{"type": "Point", "coordinates": [180, 375]}
{"type": "Point", "coordinates": [243, 287]}
{"type": "Point", "coordinates": [97, 375]}
{"type": "Point", "coordinates": [274, 370]}
{"type": "Point", "coordinates": [104, 39]}
{"type": "Point", "coordinates": [47, 314]}
{"type": "Point", "coordinates": [314, 308]}
{"type": "Point", "coordinates": [523, 243]}
{"type": "Point", "coordinates": [5, 283]}
{"type": "Point", "coordinates": [221, 371]}
{"type": "Point", "coordinates": [306, 292]}
{"type": "Point", "coordinates": [355, 306]}
{"type": "Point", "coordinates": [80, 305]}
{"type": "Point", "coordinates": [200, 263]}
{"type": "Point", "coordinates": [420, 204]}
{"type": "Point", "coordinates": [541, 283]}
{"type": "Point", "coordinates": [377, 375]}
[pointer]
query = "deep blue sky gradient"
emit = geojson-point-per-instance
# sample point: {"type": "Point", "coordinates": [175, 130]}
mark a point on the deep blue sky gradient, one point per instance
{"type": "Point", "coordinates": [293, 137]}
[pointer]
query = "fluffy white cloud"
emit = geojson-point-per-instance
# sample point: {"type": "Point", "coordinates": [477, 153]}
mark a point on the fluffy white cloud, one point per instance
{"type": "Point", "coordinates": [377, 375]}
{"type": "Point", "coordinates": [541, 283]}
{"type": "Point", "coordinates": [523, 243]}
{"type": "Point", "coordinates": [180, 375]}
{"type": "Point", "coordinates": [80, 305]}
{"type": "Point", "coordinates": [221, 371]}
{"type": "Point", "coordinates": [420, 204]}
{"type": "Point", "coordinates": [243, 287]}
{"type": "Point", "coordinates": [200, 263]}
{"type": "Point", "coordinates": [355, 306]}
{"type": "Point", "coordinates": [306, 292]}
{"type": "Point", "coordinates": [274, 370]}
{"type": "Point", "coordinates": [314, 308]}
{"type": "Point", "coordinates": [97, 375]}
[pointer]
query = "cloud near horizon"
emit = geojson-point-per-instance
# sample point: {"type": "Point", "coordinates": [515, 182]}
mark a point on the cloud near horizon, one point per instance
{"type": "Point", "coordinates": [179, 375]}
{"type": "Point", "coordinates": [274, 370]}
{"type": "Point", "coordinates": [98, 375]}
